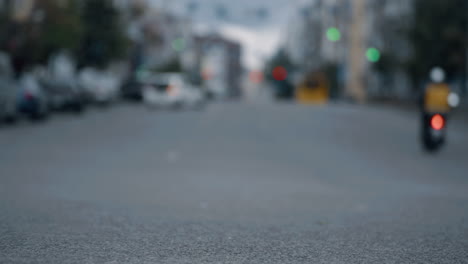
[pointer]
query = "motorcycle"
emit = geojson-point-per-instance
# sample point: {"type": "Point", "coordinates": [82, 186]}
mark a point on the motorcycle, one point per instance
{"type": "Point", "coordinates": [434, 131]}
{"type": "Point", "coordinates": [437, 103]}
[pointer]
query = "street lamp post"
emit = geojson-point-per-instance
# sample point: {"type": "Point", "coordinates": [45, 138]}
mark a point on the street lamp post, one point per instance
{"type": "Point", "coordinates": [355, 84]}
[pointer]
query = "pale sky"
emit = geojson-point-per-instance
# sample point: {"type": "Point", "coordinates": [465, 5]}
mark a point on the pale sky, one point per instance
{"type": "Point", "coordinates": [258, 25]}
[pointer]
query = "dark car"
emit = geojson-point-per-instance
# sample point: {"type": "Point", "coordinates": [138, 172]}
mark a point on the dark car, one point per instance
{"type": "Point", "coordinates": [32, 100]}
{"type": "Point", "coordinates": [132, 89]}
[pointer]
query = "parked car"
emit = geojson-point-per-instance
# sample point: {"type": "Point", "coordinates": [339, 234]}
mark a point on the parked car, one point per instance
{"type": "Point", "coordinates": [193, 97]}
{"type": "Point", "coordinates": [8, 90]}
{"type": "Point", "coordinates": [132, 89]}
{"type": "Point", "coordinates": [32, 99]}
{"type": "Point", "coordinates": [169, 90]}
{"type": "Point", "coordinates": [59, 81]}
{"type": "Point", "coordinates": [63, 96]}
{"type": "Point", "coordinates": [100, 87]}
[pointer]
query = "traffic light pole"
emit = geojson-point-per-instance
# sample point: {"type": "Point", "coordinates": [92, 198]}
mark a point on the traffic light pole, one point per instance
{"type": "Point", "coordinates": [356, 88]}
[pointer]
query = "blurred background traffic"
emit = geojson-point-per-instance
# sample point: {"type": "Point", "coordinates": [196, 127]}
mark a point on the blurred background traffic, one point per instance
{"type": "Point", "coordinates": [244, 131]}
{"type": "Point", "coordinates": [64, 55]}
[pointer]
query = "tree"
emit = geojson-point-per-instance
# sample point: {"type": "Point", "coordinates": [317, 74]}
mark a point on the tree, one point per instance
{"type": "Point", "coordinates": [59, 26]}
{"type": "Point", "coordinates": [173, 65]}
{"type": "Point", "coordinates": [51, 26]}
{"type": "Point", "coordinates": [439, 38]}
{"type": "Point", "coordinates": [104, 39]}
{"type": "Point", "coordinates": [4, 21]}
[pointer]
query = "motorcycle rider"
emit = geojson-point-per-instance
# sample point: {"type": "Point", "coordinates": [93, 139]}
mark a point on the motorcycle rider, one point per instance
{"type": "Point", "coordinates": [435, 109]}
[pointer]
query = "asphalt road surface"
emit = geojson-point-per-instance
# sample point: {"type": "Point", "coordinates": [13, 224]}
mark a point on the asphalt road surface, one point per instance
{"type": "Point", "coordinates": [235, 183]}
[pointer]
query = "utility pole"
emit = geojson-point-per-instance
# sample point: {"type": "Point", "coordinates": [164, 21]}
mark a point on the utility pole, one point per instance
{"type": "Point", "coordinates": [356, 88]}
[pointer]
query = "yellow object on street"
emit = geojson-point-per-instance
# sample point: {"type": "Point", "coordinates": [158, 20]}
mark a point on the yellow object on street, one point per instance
{"type": "Point", "coordinates": [436, 98]}
{"type": "Point", "coordinates": [313, 89]}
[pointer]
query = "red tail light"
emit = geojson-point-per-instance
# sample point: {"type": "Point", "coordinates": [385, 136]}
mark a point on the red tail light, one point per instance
{"type": "Point", "coordinates": [437, 122]}
{"type": "Point", "coordinates": [172, 90]}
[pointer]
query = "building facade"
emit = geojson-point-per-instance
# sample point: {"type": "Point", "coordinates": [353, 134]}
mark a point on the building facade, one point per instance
{"type": "Point", "coordinates": [219, 62]}
{"type": "Point", "coordinates": [381, 25]}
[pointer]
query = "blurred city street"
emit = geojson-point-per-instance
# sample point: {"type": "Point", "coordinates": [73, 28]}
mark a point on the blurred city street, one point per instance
{"type": "Point", "coordinates": [247, 131]}
{"type": "Point", "coordinates": [236, 182]}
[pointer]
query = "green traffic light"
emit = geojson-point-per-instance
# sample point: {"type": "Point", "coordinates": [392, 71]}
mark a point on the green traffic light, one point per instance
{"type": "Point", "coordinates": [333, 34]}
{"type": "Point", "coordinates": [178, 44]}
{"type": "Point", "coordinates": [373, 55]}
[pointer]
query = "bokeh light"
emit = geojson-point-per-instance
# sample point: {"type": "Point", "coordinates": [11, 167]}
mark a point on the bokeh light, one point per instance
{"type": "Point", "coordinates": [280, 73]}
{"type": "Point", "coordinates": [437, 122]}
{"type": "Point", "coordinates": [256, 77]}
{"type": "Point", "coordinates": [373, 55]}
{"type": "Point", "coordinates": [333, 34]}
{"type": "Point", "coordinates": [453, 99]}
{"type": "Point", "coordinates": [178, 44]}
{"type": "Point", "coordinates": [207, 75]}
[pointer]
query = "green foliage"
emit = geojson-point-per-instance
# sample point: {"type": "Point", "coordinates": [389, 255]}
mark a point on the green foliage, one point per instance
{"type": "Point", "coordinates": [61, 29]}
{"type": "Point", "coordinates": [90, 29]}
{"type": "Point", "coordinates": [104, 39]}
{"type": "Point", "coordinates": [439, 37]}
{"type": "Point", "coordinates": [172, 65]}
{"type": "Point", "coordinates": [4, 21]}
{"type": "Point", "coordinates": [52, 26]}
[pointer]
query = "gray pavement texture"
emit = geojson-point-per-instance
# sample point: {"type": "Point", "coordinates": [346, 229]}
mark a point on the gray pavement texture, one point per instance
{"type": "Point", "coordinates": [234, 183]}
